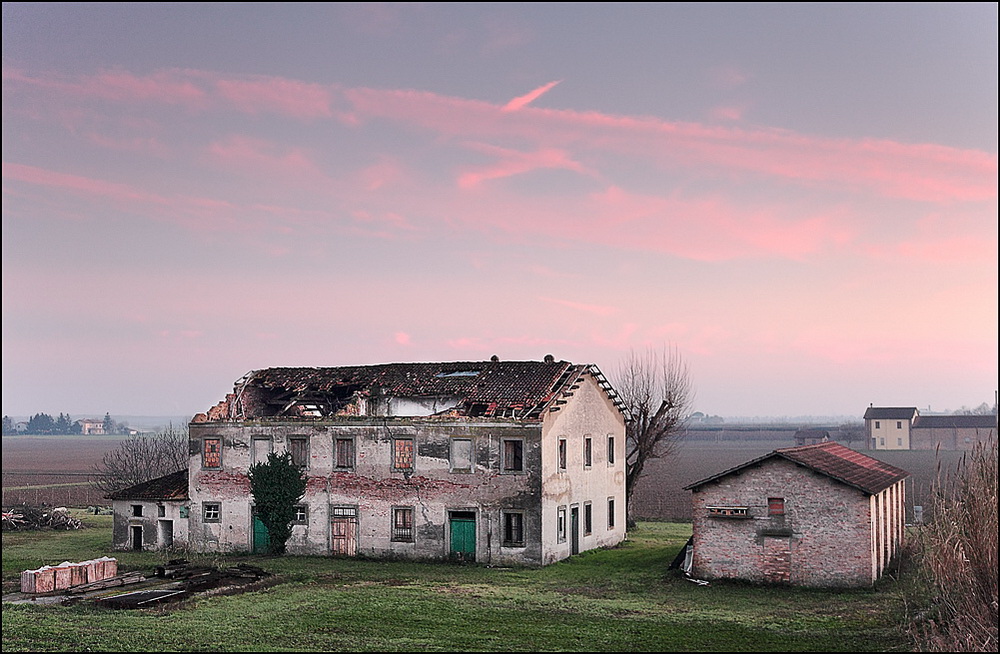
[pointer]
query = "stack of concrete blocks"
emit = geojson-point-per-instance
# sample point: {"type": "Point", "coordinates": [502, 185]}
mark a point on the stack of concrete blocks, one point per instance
{"type": "Point", "coordinates": [59, 577]}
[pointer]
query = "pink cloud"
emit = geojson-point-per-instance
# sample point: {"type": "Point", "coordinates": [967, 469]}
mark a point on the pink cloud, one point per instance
{"type": "Point", "coordinates": [266, 159]}
{"type": "Point", "coordinates": [515, 163]}
{"type": "Point", "coordinates": [276, 95]}
{"type": "Point", "coordinates": [524, 100]}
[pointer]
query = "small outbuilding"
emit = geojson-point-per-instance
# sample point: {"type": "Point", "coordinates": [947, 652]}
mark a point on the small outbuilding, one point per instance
{"type": "Point", "coordinates": [152, 515]}
{"type": "Point", "coordinates": [815, 515]}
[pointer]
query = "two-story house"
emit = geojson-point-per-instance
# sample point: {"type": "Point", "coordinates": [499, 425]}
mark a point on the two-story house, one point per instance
{"type": "Point", "coordinates": [504, 462]}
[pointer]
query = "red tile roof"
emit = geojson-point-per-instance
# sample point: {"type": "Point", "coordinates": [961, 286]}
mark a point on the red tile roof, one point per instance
{"type": "Point", "coordinates": [834, 460]}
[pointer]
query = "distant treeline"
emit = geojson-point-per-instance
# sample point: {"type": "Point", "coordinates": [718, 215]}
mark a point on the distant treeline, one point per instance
{"type": "Point", "coordinates": [43, 423]}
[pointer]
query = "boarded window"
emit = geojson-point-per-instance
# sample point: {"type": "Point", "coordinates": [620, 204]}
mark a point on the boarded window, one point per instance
{"type": "Point", "coordinates": [775, 506]}
{"type": "Point", "coordinates": [513, 455]}
{"type": "Point", "coordinates": [611, 513]}
{"type": "Point", "coordinates": [513, 529]}
{"type": "Point", "coordinates": [588, 518]}
{"type": "Point", "coordinates": [211, 453]}
{"type": "Point", "coordinates": [212, 512]}
{"type": "Point", "coordinates": [402, 524]}
{"type": "Point", "coordinates": [345, 453]}
{"type": "Point", "coordinates": [588, 452]}
{"type": "Point", "coordinates": [562, 453]}
{"type": "Point", "coordinates": [461, 455]}
{"type": "Point", "coordinates": [261, 448]}
{"type": "Point", "coordinates": [298, 447]}
{"type": "Point", "coordinates": [402, 454]}
{"type": "Point", "coordinates": [728, 512]}
{"type": "Point", "coordinates": [611, 450]}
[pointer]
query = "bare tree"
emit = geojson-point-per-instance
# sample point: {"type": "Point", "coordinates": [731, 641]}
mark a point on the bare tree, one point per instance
{"type": "Point", "coordinates": [656, 387]}
{"type": "Point", "coordinates": [140, 458]}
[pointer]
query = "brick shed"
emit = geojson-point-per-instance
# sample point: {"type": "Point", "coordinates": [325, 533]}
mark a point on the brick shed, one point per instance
{"type": "Point", "coordinates": [815, 515]}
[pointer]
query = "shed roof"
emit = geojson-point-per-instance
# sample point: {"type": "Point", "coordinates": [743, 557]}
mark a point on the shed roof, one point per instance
{"type": "Point", "coordinates": [988, 421]}
{"type": "Point", "coordinates": [168, 487]}
{"type": "Point", "coordinates": [482, 388]}
{"type": "Point", "coordinates": [832, 459]}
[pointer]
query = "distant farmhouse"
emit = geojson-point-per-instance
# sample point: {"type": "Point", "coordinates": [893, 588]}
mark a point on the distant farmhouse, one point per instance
{"type": "Point", "coordinates": [503, 462]}
{"type": "Point", "coordinates": [903, 428]}
{"type": "Point", "coordinates": [814, 515]}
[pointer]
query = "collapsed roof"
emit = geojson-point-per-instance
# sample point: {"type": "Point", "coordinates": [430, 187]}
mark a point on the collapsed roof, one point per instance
{"type": "Point", "coordinates": [509, 389]}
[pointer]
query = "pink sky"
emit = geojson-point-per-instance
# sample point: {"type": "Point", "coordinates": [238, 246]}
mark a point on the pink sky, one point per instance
{"type": "Point", "coordinates": [411, 183]}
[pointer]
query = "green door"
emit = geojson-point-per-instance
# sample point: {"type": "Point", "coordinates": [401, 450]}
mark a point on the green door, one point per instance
{"type": "Point", "coordinates": [260, 536]}
{"type": "Point", "coordinates": [463, 535]}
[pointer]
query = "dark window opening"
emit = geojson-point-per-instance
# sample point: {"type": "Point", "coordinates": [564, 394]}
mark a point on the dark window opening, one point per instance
{"type": "Point", "coordinates": [299, 449]}
{"type": "Point", "coordinates": [137, 510]}
{"type": "Point", "coordinates": [513, 456]}
{"type": "Point", "coordinates": [588, 452]}
{"type": "Point", "coordinates": [588, 518]}
{"type": "Point", "coordinates": [513, 529]}
{"type": "Point", "coordinates": [402, 524]}
{"type": "Point", "coordinates": [562, 453]}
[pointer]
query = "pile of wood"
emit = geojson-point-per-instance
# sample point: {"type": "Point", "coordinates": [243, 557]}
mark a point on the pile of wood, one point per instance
{"type": "Point", "coordinates": [29, 518]}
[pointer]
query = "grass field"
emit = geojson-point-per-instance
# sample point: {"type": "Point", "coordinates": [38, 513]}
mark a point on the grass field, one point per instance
{"type": "Point", "coordinates": [623, 599]}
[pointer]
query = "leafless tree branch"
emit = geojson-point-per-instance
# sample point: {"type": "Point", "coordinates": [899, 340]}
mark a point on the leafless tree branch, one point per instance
{"type": "Point", "coordinates": [141, 458]}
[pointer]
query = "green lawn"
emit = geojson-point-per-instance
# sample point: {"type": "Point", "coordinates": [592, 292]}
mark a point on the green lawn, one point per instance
{"type": "Point", "coordinates": [623, 599]}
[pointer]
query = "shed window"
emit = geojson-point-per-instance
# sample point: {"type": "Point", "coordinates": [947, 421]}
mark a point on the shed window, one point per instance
{"type": "Point", "coordinates": [137, 510]}
{"type": "Point", "coordinates": [728, 512]}
{"type": "Point", "coordinates": [775, 506]}
{"type": "Point", "coordinates": [301, 514]}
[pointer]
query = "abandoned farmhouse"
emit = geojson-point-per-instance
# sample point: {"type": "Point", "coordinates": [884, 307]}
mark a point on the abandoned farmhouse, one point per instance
{"type": "Point", "coordinates": [503, 462]}
{"type": "Point", "coordinates": [813, 515]}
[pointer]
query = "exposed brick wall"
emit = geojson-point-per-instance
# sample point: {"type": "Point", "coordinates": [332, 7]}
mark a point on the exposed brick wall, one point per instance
{"type": "Point", "coordinates": [824, 538]}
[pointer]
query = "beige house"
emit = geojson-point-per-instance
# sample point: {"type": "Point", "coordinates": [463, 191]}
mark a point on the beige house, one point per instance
{"type": "Point", "coordinates": [815, 515]}
{"type": "Point", "coordinates": [503, 462]}
{"type": "Point", "coordinates": [904, 428]}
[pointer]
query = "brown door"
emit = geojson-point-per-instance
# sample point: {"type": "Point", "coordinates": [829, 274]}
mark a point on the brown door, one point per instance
{"type": "Point", "coordinates": [344, 532]}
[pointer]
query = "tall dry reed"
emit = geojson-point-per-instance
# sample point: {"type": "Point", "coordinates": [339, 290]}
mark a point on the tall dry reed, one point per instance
{"type": "Point", "coordinates": [958, 558]}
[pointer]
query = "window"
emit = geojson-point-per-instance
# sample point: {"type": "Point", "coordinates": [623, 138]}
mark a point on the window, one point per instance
{"type": "Point", "coordinates": [899, 442]}
{"type": "Point", "coordinates": [878, 425]}
{"type": "Point", "coordinates": [345, 453]}
{"type": "Point", "coordinates": [561, 525]}
{"type": "Point", "coordinates": [211, 453]}
{"type": "Point", "coordinates": [402, 524]}
{"type": "Point", "coordinates": [513, 456]}
{"type": "Point", "coordinates": [881, 441]}
{"type": "Point", "coordinates": [261, 448]}
{"type": "Point", "coordinates": [137, 510]}
{"type": "Point", "coordinates": [899, 424]}
{"type": "Point", "coordinates": [562, 453]}
{"type": "Point", "coordinates": [611, 513]}
{"type": "Point", "coordinates": [212, 512]}
{"type": "Point", "coordinates": [513, 529]}
{"type": "Point", "coordinates": [161, 511]}
{"type": "Point", "coordinates": [298, 447]}
{"type": "Point", "coordinates": [775, 506]}
{"type": "Point", "coordinates": [588, 518]}
{"type": "Point", "coordinates": [611, 450]}
{"type": "Point", "coordinates": [461, 455]}
{"type": "Point", "coordinates": [301, 515]}
{"type": "Point", "coordinates": [402, 454]}
{"type": "Point", "coordinates": [588, 452]}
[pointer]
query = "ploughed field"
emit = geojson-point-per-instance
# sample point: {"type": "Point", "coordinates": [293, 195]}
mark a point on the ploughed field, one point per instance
{"type": "Point", "coordinates": [56, 470]}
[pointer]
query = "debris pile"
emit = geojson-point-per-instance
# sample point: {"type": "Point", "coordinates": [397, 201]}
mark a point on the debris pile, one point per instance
{"type": "Point", "coordinates": [30, 518]}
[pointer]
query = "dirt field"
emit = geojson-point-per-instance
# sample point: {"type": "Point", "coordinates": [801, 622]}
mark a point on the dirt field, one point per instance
{"type": "Point", "coordinates": [55, 470]}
